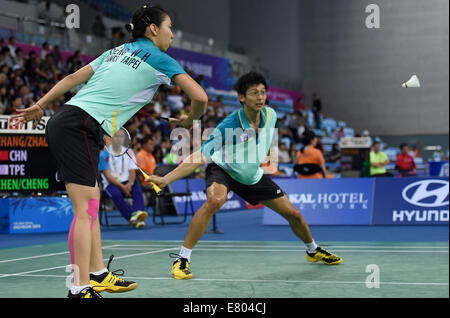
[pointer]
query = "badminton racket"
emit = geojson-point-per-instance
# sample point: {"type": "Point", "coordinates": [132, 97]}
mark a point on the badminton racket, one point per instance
{"type": "Point", "coordinates": [118, 145]}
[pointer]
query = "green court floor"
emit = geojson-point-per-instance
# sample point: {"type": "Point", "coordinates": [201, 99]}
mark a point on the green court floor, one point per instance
{"type": "Point", "coordinates": [241, 270]}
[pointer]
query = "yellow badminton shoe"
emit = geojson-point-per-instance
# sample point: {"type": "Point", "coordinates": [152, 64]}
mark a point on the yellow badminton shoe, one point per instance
{"type": "Point", "coordinates": [324, 256]}
{"type": "Point", "coordinates": [110, 282]}
{"type": "Point", "coordinates": [138, 218]}
{"type": "Point", "coordinates": [180, 268]}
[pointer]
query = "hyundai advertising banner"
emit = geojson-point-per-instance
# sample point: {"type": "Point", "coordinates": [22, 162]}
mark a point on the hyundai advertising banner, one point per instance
{"type": "Point", "coordinates": [326, 202]}
{"type": "Point", "coordinates": [197, 187]}
{"type": "Point", "coordinates": [411, 201]}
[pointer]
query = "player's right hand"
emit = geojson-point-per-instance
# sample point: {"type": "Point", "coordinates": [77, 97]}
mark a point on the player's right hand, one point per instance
{"type": "Point", "coordinates": [159, 181]}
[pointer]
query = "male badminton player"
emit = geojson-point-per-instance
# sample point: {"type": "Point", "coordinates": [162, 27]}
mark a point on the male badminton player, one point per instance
{"type": "Point", "coordinates": [245, 178]}
{"type": "Point", "coordinates": [119, 82]}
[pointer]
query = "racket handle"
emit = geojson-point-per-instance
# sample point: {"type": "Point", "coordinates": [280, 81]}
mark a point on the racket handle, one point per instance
{"type": "Point", "coordinates": [156, 188]}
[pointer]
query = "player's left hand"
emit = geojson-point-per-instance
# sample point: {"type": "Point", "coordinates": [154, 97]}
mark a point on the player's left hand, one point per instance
{"type": "Point", "coordinates": [23, 116]}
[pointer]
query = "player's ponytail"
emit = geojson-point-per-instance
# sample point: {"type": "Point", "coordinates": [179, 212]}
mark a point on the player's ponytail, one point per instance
{"type": "Point", "coordinates": [142, 18]}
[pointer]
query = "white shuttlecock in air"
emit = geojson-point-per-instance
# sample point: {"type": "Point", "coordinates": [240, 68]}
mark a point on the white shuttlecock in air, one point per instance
{"type": "Point", "coordinates": [413, 82]}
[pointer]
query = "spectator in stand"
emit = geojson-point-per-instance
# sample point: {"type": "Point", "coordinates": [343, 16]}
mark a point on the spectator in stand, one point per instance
{"type": "Point", "coordinates": [4, 102]}
{"type": "Point", "coordinates": [378, 162]}
{"type": "Point", "coordinates": [220, 108]}
{"type": "Point", "coordinates": [12, 45]}
{"type": "Point", "coordinates": [339, 133]}
{"type": "Point", "coordinates": [299, 105]}
{"type": "Point", "coordinates": [57, 58]}
{"type": "Point", "coordinates": [309, 154]}
{"type": "Point", "coordinates": [283, 154]}
{"type": "Point", "coordinates": [8, 58]}
{"type": "Point", "coordinates": [317, 110]}
{"type": "Point", "coordinates": [293, 152]}
{"type": "Point", "coordinates": [294, 124]}
{"type": "Point", "coordinates": [145, 159]}
{"type": "Point", "coordinates": [335, 154]}
{"type": "Point", "coordinates": [45, 50]}
{"type": "Point", "coordinates": [158, 154]}
{"type": "Point", "coordinates": [19, 60]}
{"type": "Point", "coordinates": [405, 162]}
{"type": "Point", "coordinates": [175, 100]}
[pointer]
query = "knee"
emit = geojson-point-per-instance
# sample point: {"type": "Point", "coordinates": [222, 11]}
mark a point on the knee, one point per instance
{"type": "Point", "coordinates": [215, 203]}
{"type": "Point", "coordinates": [293, 215]}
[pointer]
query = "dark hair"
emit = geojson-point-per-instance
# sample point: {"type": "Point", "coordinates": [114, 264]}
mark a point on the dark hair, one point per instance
{"type": "Point", "coordinates": [248, 80]}
{"type": "Point", "coordinates": [403, 146]}
{"type": "Point", "coordinates": [143, 17]}
{"type": "Point", "coordinates": [145, 139]}
{"type": "Point", "coordinates": [308, 136]}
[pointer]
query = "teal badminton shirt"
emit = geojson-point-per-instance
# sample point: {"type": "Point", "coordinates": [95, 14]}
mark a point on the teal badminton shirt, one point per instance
{"type": "Point", "coordinates": [238, 149]}
{"type": "Point", "coordinates": [125, 79]}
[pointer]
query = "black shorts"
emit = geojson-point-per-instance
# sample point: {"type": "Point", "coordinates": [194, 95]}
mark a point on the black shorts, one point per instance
{"type": "Point", "coordinates": [75, 140]}
{"type": "Point", "coordinates": [264, 190]}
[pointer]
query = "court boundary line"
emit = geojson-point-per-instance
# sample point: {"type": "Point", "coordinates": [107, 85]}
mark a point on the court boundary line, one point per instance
{"type": "Point", "coordinates": [283, 250]}
{"type": "Point", "coordinates": [57, 267]}
{"type": "Point", "coordinates": [232, 280]}
{"type": "Point", "coordinates": [45, 255]}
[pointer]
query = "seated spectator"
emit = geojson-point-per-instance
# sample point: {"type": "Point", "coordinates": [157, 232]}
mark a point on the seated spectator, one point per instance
{"type": "Point", "coordinates": [145, 158]}
{"type": "Point", "coordinates": [45, 50]}
{"type": "Point", "coordinates": [283, 154]}
{"type": "Point", "coordinates": [335, 154]}
{"type": "Point", "coordinates": [4, 102]}
{"type": "Point", "coordinates": [299, 105]}
{"type": "Point", "coordinates": [119, 182]}
{"type": "Point", "coordinates": [405, 162]}
{"type": "Point", "coordinates": [8, 58]}
{"type": "Point", "coordinates": [19, 60]}
{"type": "Point", "coordinates": [378, 162]}
{"type": "Point", "coordinates": [339, 133]}
{"type": "Point", "coordinates": [309, 154]}
{"type": "Point", "coordinates": [12, 45]}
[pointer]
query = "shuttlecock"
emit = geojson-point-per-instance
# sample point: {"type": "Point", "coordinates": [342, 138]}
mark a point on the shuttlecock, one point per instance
{"type": "Point", "coordinates": [412, 82]}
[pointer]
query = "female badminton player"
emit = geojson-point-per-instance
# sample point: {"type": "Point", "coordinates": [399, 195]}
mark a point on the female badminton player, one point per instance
{"type": "Point", "coordinates": [256, 122]}
{"type": "Point", "coordinates": [119, 82]}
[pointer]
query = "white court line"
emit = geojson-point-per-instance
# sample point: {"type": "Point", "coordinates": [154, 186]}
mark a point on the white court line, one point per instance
{"type": "Point", "coordinates": [44, 255]}
{"type": "Point", "coordinates": [64, 266]}
{"type": "Point", "coordinates": [280, 250]}
{"type": "Point", "coordinates": [289, 246]}
{"type": "Point", "coordinates": [231, 280]}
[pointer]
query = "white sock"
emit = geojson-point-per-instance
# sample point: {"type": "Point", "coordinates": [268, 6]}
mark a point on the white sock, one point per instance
{"type": "Point", "coordinates": [185, 253]}
{"type": "Point", "coordinates": [310, 247]}
{"type": "Point", "coordinates": [99, 272]}
{"type": "Point", "coordinates": [77, 289]}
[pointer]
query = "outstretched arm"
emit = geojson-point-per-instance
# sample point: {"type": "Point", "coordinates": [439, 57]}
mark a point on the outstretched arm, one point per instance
{"type": "Point", "coordinates": [187, 167]}
{"type": "Point", "coordinates": [36, 111]}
